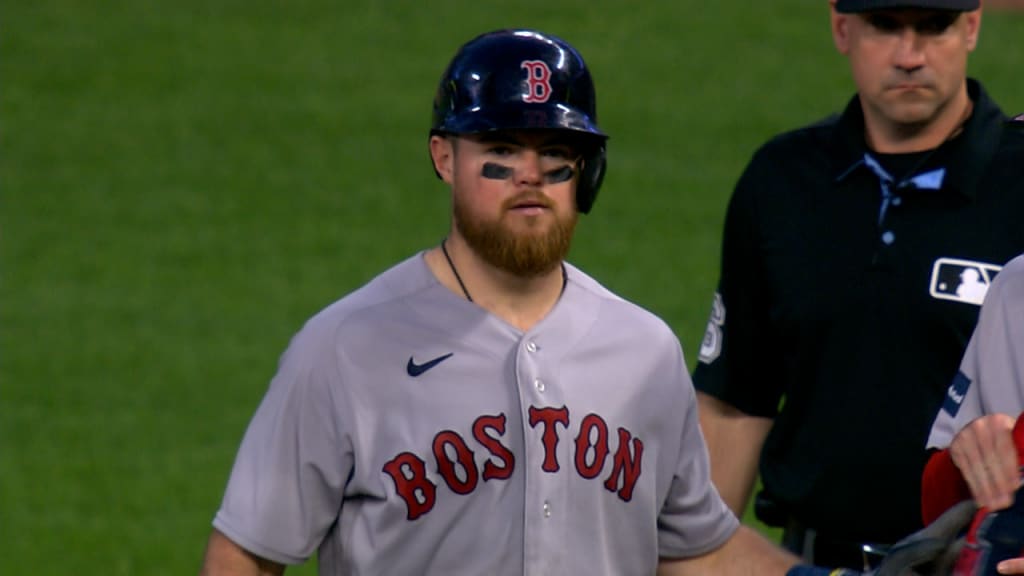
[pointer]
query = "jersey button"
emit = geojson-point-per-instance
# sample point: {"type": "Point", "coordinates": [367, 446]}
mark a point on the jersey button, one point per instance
{"type": "Point", "coordinates": [531, 346]}
{"type": "Point", "coordinates": [888, 237]}
{"type": "Point", "coordinates": [539, 384]}
{"type": "Point", "coordinates": [547, 509]}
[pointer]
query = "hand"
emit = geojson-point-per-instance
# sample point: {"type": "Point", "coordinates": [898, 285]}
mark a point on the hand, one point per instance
{"type": "Point", "coordinates": [1012, 566]}
{"type": "Point", "coordinates": [985, 453]}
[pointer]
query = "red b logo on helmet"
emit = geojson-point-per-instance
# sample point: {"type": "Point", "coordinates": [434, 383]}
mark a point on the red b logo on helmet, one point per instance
{"type": "Point", "coordinates": [538, 80]}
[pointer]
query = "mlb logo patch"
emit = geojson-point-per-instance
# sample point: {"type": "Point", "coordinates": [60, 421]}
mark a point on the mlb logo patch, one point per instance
{"type": "Point", "coordinates": [964, 281]}
{"type": "Point", "coordinates": [955, 394]}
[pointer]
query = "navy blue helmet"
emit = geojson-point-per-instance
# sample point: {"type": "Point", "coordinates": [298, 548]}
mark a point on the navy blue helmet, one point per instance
{"type": "Point", "coordinates": [522, 80]}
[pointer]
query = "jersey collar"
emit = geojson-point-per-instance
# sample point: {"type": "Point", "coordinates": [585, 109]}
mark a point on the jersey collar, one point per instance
{"type": "Point", "coordinates": [972, 150]}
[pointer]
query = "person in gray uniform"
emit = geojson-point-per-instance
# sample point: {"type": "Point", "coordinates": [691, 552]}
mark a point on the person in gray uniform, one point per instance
{"type": "Point", "coordinates": [977, 452]}
{"type": "Point", "coordinates": [485, 407]}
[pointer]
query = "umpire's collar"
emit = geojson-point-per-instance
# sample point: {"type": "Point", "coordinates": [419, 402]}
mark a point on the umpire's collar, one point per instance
{"type": "Point", "coordinates": [967, 155]}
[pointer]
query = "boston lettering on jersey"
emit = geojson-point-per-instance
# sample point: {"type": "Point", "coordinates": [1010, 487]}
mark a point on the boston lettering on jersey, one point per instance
{"type": "Point", "coordinates": [592, 450]}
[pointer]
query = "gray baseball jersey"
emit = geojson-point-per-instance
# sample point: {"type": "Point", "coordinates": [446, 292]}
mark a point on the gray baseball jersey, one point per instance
{"type": "Point", "coordinates": [409, 431]}
{"type": "Point", "coordinates": [991, 377]}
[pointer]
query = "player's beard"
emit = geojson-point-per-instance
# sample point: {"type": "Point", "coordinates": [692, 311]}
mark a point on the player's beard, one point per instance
{"type": "Point", "coordinates": [530, 254]}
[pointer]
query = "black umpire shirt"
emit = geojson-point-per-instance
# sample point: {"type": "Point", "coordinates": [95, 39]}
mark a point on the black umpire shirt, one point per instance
{"type": "Point", "coordinates": [849, 287]}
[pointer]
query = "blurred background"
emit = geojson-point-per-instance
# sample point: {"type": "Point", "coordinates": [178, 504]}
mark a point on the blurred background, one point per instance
{"type": "Point", "coordinates": [185, 183]}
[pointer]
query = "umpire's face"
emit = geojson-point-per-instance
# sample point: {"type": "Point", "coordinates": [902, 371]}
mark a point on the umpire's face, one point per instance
{"type": "Point", "coordinates": [909, 64]}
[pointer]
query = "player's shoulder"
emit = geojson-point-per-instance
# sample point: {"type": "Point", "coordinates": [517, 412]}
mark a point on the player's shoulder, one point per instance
{"type": "Point", "coordinates": [389, 288]}
{"type": "Point", "coordinates": [1013, 273]}
{"type": "Point", "coordinates": [626, 316]}
{"type": "Point", "coordinates": [1006, 292]}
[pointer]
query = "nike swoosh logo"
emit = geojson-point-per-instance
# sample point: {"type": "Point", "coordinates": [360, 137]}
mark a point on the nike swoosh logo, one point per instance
{"type": "Point", "coordinates": [415, 369]}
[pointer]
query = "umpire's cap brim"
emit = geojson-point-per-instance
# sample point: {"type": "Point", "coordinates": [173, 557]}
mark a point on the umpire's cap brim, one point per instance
{"type": "Point", "coordinates": [868, 5]}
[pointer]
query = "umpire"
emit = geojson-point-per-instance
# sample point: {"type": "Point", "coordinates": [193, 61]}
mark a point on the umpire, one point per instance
{"type": "Point", "coordinates": [855, 257]}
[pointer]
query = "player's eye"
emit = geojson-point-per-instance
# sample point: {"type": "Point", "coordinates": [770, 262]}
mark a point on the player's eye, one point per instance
{"type": "Point", "coordinates": [557, 152]}
{"type": "Point", "coordinates": [499, 150]}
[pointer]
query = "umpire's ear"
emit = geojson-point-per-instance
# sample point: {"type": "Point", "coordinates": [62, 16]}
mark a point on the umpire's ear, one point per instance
{"type": "Point", "coordinates": [973, 28]}
{"type": "Point", "coordinates": [840, 28]}
{"type": "Point", "coordinates": [442, 152]}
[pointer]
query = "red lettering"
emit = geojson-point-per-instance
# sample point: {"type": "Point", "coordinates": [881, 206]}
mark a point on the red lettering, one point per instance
{"type": "Point", "coordinates": [583, 446]}
{"type": "Point", "coordinates": [413, 487]}
{"type": "Point", "coordinates": [456, 463]}
{"type": "Point", "coordinates": [538, 81]}
{"type": "Point", "coordinates": [463, 456]}
{"type": "Point", "coordinates": [625, 466]}
{"type": "Point", "coordinates": [550, 417]}
{"type": "Point", "coordinates": [496, 448]}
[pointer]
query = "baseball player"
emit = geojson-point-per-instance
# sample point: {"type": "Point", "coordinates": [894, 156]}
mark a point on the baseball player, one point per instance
{"type": "Point", "coordinates": [977, 455]}
{"type": "Point", "coordinates": [485, 407]}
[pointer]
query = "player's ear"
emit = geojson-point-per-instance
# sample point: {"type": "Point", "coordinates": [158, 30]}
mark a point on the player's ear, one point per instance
{"type": "Point", "coordinates": [840, 28]}
{"type": "Point", "coordinates": [442, 152]}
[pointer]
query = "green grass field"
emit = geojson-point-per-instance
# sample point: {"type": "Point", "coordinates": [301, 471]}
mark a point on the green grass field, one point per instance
{"type": "Point", "coordinates": [184, 183]}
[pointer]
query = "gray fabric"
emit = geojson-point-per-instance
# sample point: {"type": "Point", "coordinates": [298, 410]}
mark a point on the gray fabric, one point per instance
{"type": "Point", "coordinates": [993, 365]}
{"type": "Point", "coordinates": [312, 471]}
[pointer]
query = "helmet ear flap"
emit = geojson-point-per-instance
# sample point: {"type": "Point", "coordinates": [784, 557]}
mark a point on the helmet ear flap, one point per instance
{"type": "Point", "coordinates": [591, 176]}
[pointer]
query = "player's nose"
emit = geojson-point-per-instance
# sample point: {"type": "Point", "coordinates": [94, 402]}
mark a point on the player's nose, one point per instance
{"type": "Point", "coordinates": [529, 171]}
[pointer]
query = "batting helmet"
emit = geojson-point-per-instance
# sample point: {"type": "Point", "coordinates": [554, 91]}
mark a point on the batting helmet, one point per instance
{"type": "Point", "coordinates": [523, 80]}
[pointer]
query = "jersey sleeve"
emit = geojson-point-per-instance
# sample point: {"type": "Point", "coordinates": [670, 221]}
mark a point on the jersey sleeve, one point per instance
{"type": "Point", "coordinates": [738, 349]}
{"type": "Point", "coordinates": [991, 377]}
{"type": "Point", "coordinates": [694, 519]}
{"type": "Point", "coordinates": [961, 404]}
{"type": "Point", "coordinates": [285, 488]}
